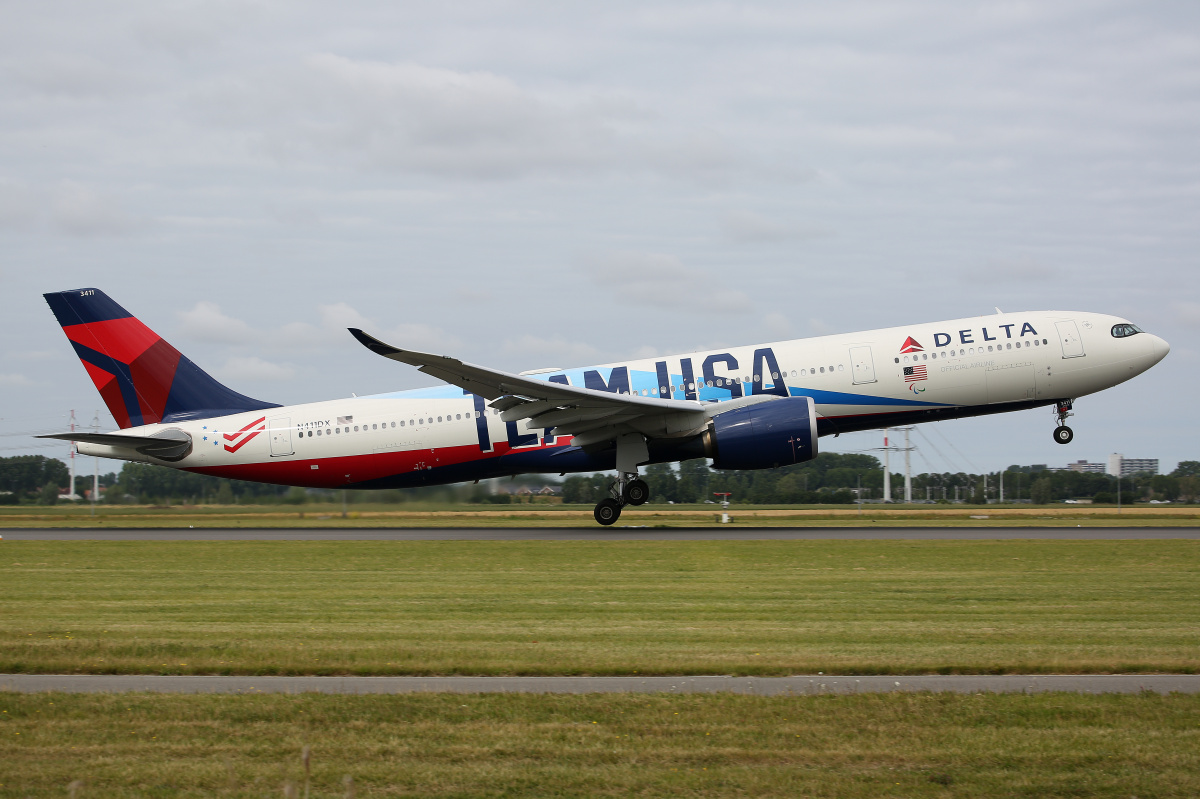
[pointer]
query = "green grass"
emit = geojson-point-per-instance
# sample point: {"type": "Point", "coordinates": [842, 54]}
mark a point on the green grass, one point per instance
{"type": "Point", "coordinates": [600, 607]}
{"type": "Point", "coordinates": [871, 746]}
{"type": "Point", "coordinates": [545, 514]}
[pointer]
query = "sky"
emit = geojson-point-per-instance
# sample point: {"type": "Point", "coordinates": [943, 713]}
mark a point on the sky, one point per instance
{"type": "Point", "coordinates": [529, 184]}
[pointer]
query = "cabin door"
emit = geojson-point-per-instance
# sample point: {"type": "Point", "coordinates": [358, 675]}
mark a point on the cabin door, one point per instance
{"type": "Point", "coordinates": [281, 436]}
{"type": "Point", "coordinates": [1068, 336]}
{"type": "Point", "coordinates": [863, 365]}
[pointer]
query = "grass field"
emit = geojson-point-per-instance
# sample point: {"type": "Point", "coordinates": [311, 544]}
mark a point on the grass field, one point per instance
{"type": "Point", "coordinates": [1043, 745]}
{"type": "Point", "coordinates": [600, 607]}
{"type": "Point", "coordinates": [420, 514]}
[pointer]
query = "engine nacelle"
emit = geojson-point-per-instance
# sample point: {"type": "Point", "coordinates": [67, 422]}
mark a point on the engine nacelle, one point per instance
{"type": "Point", "coordinates": [765, 435]}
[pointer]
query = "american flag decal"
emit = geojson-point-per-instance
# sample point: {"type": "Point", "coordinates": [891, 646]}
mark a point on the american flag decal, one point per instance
{"type": "Point", "coordinates": [912, 373]}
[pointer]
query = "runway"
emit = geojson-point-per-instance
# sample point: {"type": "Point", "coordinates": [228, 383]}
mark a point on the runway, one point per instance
{"type": "Point", "coordinates": [800, 685]}
{"type": "Point", "coordinates": [608, 534]}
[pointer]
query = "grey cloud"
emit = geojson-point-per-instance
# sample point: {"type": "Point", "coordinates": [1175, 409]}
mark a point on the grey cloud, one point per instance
{"type": "Point", "coordinates": [1009, 271]}
{"type": "Point", "coordinates": [746, 226]}
{"type": "Point", "coordinates": [67, 207]}
{"type": "Point", "coordinates": [1187, 313]}
{"type": "Point", "coordinates": [72, 75]}
{"type": "Point", "coordinates": [410, 117]}
{"type": "Point", "coordinates": [81, 211]}
{"type": "Point", "coordinates": [663, 281]}
{"type": "Point", "coordinates": [251, 368]}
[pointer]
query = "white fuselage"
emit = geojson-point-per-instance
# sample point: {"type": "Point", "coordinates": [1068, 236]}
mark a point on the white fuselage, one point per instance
{"type": "Point", "coordinates": [871, 379]}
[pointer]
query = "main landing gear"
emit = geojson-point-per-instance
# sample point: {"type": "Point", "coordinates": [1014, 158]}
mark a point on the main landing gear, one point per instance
{"type": "Point", "coordinates": [1062, 433]}
{"type": "Point", "coordinates": [628, 488]}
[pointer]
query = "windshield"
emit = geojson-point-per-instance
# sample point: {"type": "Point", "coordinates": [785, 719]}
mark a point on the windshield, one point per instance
{"type": "Point", "coordinates": [1125, 329]}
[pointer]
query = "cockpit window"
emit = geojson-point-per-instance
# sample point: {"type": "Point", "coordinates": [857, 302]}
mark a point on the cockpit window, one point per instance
{"type": "Point", "coordinates": [1125, 329]}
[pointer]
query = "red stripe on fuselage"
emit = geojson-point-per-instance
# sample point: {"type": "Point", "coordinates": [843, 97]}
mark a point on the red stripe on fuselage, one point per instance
{"type": "Point", "coordinates": [361, 468]}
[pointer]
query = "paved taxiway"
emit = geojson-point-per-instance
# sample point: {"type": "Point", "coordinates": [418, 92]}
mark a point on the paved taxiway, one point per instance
{"type": "Point", "coordinates": [609, 534]}
{"type": "Point", "coordinates": [761, 686]}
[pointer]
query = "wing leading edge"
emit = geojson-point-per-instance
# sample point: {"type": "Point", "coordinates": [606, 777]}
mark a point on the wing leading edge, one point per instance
{"type": "Point", "coordinates": [591, 416]}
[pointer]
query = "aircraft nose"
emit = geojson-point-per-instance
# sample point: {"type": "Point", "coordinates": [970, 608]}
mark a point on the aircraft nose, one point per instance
{"type": "Point", "coordinates": [1158, 349]}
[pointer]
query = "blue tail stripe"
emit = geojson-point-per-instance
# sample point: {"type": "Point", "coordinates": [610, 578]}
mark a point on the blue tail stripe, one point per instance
{"type": "Point", "coordinates": [84, 306]}
{"type": "Point", "coordinates": [124, 379]}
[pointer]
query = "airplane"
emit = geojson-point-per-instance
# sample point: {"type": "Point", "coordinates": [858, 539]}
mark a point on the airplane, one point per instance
{"type": "Point", "coordinates": [750, 407]}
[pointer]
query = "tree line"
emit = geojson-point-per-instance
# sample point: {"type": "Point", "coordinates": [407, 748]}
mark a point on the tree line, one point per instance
{"type": "Point", "coordinates": [829, 478]}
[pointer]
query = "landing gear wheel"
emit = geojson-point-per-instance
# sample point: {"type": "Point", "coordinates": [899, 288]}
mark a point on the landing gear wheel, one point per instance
{"type": "Point", "coordinates": [1063, 434]}
{"type": "Point", "coordinates": [608, 511]}
{"type": "Point", "coordinates": [636, 492]}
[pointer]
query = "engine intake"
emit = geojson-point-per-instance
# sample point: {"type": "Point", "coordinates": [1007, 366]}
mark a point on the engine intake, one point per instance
{"type": "Point", "coordinates": [763, 436]}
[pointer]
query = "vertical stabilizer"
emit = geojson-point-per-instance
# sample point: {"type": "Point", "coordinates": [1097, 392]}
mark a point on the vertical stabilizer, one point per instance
{"type": "Point", "coordinates": [141, 377]}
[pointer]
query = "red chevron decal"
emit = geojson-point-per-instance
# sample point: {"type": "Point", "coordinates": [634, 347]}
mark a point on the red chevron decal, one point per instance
{"type": "Point", "coordinates": [243, 432]}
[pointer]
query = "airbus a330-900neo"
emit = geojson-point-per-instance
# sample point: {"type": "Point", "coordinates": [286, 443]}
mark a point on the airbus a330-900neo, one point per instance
{"type": "Point", "coordinates": [753, 407]}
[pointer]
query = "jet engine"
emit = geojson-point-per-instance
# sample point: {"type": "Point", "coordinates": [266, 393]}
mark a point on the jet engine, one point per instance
{"type": "Point", "coordinates": [764, 435]}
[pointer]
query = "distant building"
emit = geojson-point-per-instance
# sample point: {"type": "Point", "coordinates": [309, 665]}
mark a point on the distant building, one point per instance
{"type": "Point", "coordinates": [1088, 468]}
{"type": "Point", "coordinates": [1120, 466]}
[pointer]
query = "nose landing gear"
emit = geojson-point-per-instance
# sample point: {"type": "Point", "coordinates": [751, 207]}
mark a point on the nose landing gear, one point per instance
{"type": "Point", "coordinates": [1062, 433]}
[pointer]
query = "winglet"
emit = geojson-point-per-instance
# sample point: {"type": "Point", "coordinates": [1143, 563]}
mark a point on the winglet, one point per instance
{"type": "Point", "coordinates": [373, 344]}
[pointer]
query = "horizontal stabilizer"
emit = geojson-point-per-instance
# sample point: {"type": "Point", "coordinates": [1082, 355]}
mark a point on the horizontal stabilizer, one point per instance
{"type": "Point", "coordinates": [169, 445]}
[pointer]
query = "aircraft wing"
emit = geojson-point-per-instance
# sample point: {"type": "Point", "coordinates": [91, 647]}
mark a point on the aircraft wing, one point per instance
{"type": "Point", "coordinates": [570, 409]}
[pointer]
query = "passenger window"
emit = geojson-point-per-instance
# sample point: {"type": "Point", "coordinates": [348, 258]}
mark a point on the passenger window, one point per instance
{"type": "Point", "coordinates": [793, 373]}
{"type": "Point", "coordinates": [822, 370]}
{"type": "Point", "coordinates": [841, 367]}
{"type": "Point", "coordinates": [356, 428]}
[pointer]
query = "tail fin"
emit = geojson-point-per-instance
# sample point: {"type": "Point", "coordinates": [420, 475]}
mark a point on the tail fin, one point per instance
{"type": "Point", "coordinates": [141, 377]}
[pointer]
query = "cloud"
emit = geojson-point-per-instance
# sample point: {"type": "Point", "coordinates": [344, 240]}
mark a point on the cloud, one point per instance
{"type": "Point", "coordinates": [778, 326]}
{"type": "Point", "coordinates": [67, 206]}
{"type": "Point", "coordinates": [540, 352]}
{"type": "Point", "coordinates": [71, 75]}
{"type": "Point", "coordinates": [251, 368]}
{"type": "Point", "coordinates": [15, 380]}
{"type": "Point", "coordinates": [466, 124]}
{"type": "Point", "coordinates": [662, 281]}
{"type": "Point", "coordinates": [1188, 313]}
{"type": "Point", "coordinates": [82, 211]}
{"type": "Point", "coordinates": [750, 227]}
{"type": "Point", "coordinates": [1008, 271]}
{"type": "Point", "coordinates": [18, 206]}
{"type": "Point", "coordinates": [207, 322]}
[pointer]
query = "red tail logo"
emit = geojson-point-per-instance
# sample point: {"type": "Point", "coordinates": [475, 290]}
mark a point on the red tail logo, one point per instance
{"type": "Point", "coordinates": [244, 435]}
{"type": "Point", "coordinates": [910, 345]}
